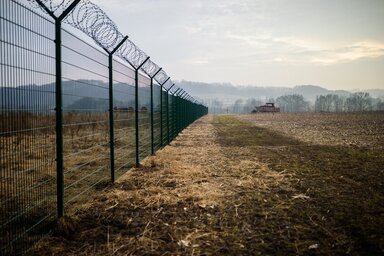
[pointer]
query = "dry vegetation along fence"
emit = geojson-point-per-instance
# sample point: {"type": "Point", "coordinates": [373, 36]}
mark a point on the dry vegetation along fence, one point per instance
{"type": "Point", "coordinates": [74, 116]}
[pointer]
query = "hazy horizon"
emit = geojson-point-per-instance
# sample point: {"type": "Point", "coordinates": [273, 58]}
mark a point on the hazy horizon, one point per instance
{"type": "Point", "coordinates": [332, 44]}
{"type": "Point", "coordinates": [280, 86]}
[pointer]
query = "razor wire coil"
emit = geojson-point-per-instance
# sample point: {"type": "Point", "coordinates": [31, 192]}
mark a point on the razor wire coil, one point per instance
{"type": "Point", "coordinates": [94, 22]}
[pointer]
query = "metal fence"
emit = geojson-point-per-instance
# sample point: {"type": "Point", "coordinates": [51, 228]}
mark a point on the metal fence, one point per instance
{"type": "Point", "coordinates": [74, 116]}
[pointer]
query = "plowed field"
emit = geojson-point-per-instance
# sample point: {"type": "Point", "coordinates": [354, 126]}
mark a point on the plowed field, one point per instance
{"type": "Point", "coordinates": [283, 184]}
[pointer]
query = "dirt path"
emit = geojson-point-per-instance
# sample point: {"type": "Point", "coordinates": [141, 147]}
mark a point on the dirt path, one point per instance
{"type": "Point", "coordinates": [225, 186]}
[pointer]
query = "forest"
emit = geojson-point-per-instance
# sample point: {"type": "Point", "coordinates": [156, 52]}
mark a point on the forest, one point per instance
{"type": "Point", "coordinates": [355, 102]}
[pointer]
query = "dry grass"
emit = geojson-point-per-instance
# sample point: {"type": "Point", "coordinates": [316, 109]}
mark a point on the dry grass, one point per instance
{"type": "Point", "coordinates": [171, 203]}
{"type": "Point", "coordinates": [25, 122]}
{"type": "Point", "coordinates": [345, 129]}
{"type": "Point", "coordinates": [226, 186]}
{"type": "Point", "coordinates": [28, 152]}
{"type": "Point", "coordinates": [28, 166]}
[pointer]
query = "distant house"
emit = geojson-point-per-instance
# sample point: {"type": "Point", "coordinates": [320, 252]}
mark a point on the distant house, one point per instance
{"type": "Point", "coordinates": [268, 107]}
{"type": "Point", "coordinates": [122, 109]}
{"type": "Point", "coordinates": [119, 109]}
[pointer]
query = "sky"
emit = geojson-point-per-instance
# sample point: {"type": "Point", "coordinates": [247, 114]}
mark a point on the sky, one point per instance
{"type": "Point", "coordinates": [336, 44]}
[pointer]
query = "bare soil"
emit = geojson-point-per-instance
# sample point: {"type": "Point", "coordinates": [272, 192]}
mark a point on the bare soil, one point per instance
{"type": "Point", "coordinates": [243, 185]}
{"type": "Point", "coordinates": [364, 130]}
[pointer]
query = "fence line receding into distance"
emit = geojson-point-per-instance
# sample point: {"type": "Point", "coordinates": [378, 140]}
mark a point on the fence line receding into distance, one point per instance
{"type": "Point", "coordinates": [74, 116]}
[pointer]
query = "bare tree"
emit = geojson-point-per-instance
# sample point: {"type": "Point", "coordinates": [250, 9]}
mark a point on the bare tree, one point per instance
{"type": "Point", "coordinates": [250, 105]}
{"type": "Point", "coordinates": [359, 101]}
{"type": "Point", "coordinates": [217, 106]}
{"type": "Point", "coordinates": [329, 103]}
{"type": "Point", "coordinates": [237, 106]}
{"type": "Point", "coordinates": [379, 106]}
{"type": "Point", "coordinates": [292, 103]}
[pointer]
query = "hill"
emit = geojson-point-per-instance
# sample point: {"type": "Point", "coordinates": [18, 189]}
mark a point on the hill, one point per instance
{"type": "Point", "coordinates": [43, 96]}
{"type": "Point", "coordinates": [231, 92]}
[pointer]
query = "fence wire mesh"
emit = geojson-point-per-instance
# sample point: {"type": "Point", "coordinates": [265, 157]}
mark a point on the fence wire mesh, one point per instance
{"type": "Point", "coordinates": [85, 119]}
{"type": "Point", "coordinates": [171, 124]}
{"type": "Point", "coordinates": [156, 117]}
{"type": "Point", "coordinates": [27, 138]}
{"type": "Point", "coordinates": [164, 127]}
{"type": "Point", "coordinates": [124, 117]}
{"type": "Point", "coordinates": [98, 142]}
{"type": "Point", "coordinates": [144, 116]}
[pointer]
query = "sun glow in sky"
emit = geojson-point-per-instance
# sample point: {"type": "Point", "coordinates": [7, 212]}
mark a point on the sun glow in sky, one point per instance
{"type": "Point", "coordinates": [334, 44]}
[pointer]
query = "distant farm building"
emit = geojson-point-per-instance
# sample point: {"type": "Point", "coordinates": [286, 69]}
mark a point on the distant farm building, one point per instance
{"type": "Point", "coordinates": [119, 109]}
{"type": "Point", "coordinates": [122, 109]}
{"type": "Point", "coordinates": [268, 107]}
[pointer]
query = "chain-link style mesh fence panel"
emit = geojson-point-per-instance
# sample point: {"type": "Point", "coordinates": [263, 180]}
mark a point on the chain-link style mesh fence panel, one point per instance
{"type": "Point", "coordinates": [68, 112]}
{"type": "Point", "coordinates": [144, 116]}
{"type": "Point", "coordinates": [27, 128]}
{"type": "Point", "coordinates": [85, 119]}
{"type": "Point", "coordinates": [124, 117]}
{"type": "Point", "coordinates": [156, 117]}
{"type": "Point", "coordinates": [164, 118]}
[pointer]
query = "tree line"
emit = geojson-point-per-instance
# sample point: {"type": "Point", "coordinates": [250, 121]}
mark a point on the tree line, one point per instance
{"type": "Point", "coordinates": [355, 102]}
{"type": "Point", "coordinates": [359, 101]}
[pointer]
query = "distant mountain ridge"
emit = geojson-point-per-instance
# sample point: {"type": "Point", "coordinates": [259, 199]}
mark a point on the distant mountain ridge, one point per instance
{"type": "Point", "coordinates": [43, 96]}
{"type": "Point", "coordinates": [231, 92]}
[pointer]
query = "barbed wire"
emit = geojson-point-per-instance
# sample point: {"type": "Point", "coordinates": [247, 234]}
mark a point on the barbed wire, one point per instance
{"type": "Point", "coordinates": [161, 77]}
{"type": "Point", "coordinates": [55, 6]}
{"type": "Point", "coordinates": [150, 68]}
{"type": "Point", "coordinates": [94, 22]}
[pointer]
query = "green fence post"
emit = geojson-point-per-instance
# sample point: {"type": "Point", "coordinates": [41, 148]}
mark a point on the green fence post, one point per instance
{"type": "Point", "coordinates": [161, 115]}
{"type": "Point", "coordinates": [183, 111]}
{"type": "Point", "coordinates": [179, 107]}
{"type": "Point", "coordinates": [161, 111]}
{"type": "Point", "coordinates": [58, 106]}
{"type": "Point", "coordinates": [152, 136]}
{"type": "Point", "coordinates": [168, 112]}
{"type": "Point", "coordinates": [174, 101]}
{"type": "Point", "coordinates": [111, 117]}
{"type": "Point", "coordinates": [188, 111]}
{"type": "Point", "coordinates": [137, 111]}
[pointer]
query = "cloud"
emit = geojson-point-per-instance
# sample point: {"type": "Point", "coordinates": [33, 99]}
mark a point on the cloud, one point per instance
{"type": "Point", "coordinates": [349, 53]}
{"type": "Point", "coordinates": [193, 29]}
{"type": "Point", "coordinates": [252, 40]}
{"type": "Point", "coordinates": [265, 40]}
{"type": "Point", "coordinates": [297, 51]}
{"type": "Point", "coordinates": [199, 61]}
